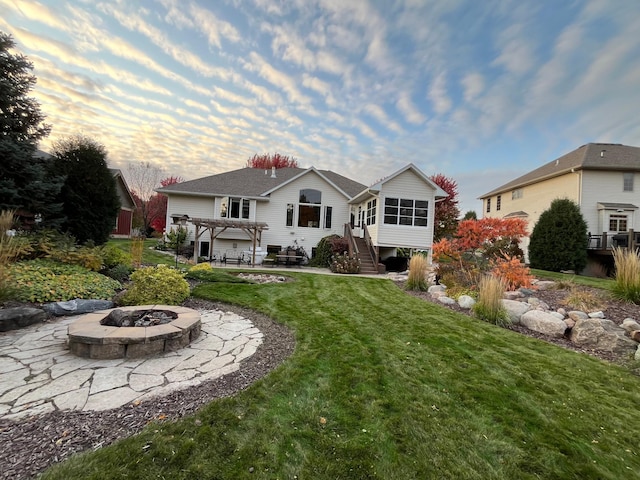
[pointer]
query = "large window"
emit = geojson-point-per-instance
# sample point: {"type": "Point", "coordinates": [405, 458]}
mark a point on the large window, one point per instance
{"type": "Point", "coordinates": [515, 194]}
{"type": "Point", "coordinates": [404, 211]}
{"type": "Point", "coordinates": [309, 208]}
{"type": "Point", "coordinates": [627, 182]}
{"type": "Point", "coordinates": [371, 211]}
{"type": "Point", "coordinates": [618, 223]}
{"type": "Point", "coordinates": [232, 207]}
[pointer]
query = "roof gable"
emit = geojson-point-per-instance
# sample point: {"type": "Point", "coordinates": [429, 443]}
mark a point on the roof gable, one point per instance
{"type": "Point", "coordinates": [375, 188]}
{"type": "Point", "coordinates": [592, 156]}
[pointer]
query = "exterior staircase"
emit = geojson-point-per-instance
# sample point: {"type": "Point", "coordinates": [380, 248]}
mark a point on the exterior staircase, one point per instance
{"type": "Point", "coordinates": [367, 267]}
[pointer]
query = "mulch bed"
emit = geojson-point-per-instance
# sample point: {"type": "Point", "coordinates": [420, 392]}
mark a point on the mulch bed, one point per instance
{"type": "Point", "coordinates": [613, 309]}
{"type": "Point", "coordinates": [29, 446]}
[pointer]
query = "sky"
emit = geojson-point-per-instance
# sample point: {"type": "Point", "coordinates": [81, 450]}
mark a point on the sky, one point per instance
{"type": "Point", "coordinates": [480, 91]}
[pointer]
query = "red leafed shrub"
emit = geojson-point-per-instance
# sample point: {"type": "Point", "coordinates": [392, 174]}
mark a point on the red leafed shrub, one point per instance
{"type": "Point", "coordinates": [513, 272]}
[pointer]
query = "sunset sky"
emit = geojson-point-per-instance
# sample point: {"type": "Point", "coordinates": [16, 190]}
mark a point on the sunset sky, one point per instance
{"type": "Point", "coordinates": [480, 91]}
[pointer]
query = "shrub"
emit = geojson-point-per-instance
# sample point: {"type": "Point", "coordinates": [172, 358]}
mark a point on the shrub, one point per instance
{"type": "Point", "coordinates": [156, 285]}
{"type": "Point", "coordinates": [113, 256]}
{"type": "Point", "coordinates": [559, 239]}
{"type": "Point", "coordinates": [324, 251]}
{"type": "Point", "coordinates": [8, 253]}
{"type": "Point", "coordinates": [45, 280]}
{"type": "Point", "coordinates": [201, 267]}
{"type": "Point", "coordinates": [119, 272]}
{"type": "Point", "coordinates": [345, 264]}
{"type": "Point", "coordinates": [627, 279]}
{"type": "Point", "coordinates": [513, 273]}
{"type": "Point", "coordinates": [418, 267]}
{"type": "Point", "coordinates": [489, 305]}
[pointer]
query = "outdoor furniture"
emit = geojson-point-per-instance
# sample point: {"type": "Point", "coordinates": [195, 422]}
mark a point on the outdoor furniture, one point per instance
{"type": "Point", "coordinates": [233, 256]}
{"type": "Point", "coordinates": [288, 258]}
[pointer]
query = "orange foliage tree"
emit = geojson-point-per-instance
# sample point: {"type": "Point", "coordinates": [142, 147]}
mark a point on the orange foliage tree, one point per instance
{"type": "Point", "coordinates": [480, 246]}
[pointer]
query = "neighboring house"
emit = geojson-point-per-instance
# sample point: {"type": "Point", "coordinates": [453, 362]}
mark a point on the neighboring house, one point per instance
{"type": "Point", "coordinates": [601, 178]}
{"type": "Point", "coordinates": [276, 209]}
{"type": "Point", "coordinates": [124, 220]}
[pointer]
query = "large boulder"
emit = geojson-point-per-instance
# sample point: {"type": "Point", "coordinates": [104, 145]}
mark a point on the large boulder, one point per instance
{"type": "Point", "coordinates": [515, 309]}
{"type": "Point", "coordinates": [77, 307]}
{"type": "Point", "coordinates": [543, 322]}
{"type": "Point", "coordinates": [19, 317]}
{"type": "Point", "coordinates": [466, 302]}
{"type": "Point", "coordinates": [602, 334]}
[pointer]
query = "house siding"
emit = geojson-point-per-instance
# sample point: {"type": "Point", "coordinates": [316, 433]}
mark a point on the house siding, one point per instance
{"type": "Point", "coordinates": [607, 187]}
{"type": "Point", "coordinates": [274, 212]}
{"type": "Point", "coordinates": [411, 186]}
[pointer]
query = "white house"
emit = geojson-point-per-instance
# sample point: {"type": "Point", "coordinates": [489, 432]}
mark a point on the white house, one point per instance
{"type": "Point", "coordinates": [287, 207]}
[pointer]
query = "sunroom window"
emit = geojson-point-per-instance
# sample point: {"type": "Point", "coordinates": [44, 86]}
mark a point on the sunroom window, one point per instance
{"type": "Point", "coordinates": [405, 211]}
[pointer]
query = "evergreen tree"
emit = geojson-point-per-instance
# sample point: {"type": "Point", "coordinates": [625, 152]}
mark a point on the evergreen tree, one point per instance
{"type": "Point", "coordinates": [559, 239]}
{"type": "Point", "coordinates": [89, 194]}
{"type": "Point", "coordinates": [26, 183]}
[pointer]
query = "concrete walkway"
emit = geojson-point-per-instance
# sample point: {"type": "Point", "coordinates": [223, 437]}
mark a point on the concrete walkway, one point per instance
{"type": "Point", "coordinates": [38, 374]}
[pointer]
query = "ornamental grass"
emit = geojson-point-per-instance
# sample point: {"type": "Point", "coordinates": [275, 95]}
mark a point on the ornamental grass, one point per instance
{"type": "Point", "coordinates": [627, 279]}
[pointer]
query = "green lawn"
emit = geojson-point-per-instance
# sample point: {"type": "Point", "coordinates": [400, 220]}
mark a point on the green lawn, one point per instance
{"type": "Point", "coordinates": [149, 255]}
{"type": "Point", "coordinates": [604, 283]}
{"type": "Point", "coordinates": [384, 385]}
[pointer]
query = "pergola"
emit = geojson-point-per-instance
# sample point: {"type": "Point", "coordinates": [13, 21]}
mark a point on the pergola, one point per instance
{"type": "Point", "coordinates": [217, 226]}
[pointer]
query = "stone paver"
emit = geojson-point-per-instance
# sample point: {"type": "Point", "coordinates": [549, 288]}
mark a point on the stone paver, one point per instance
{"type": "Point", "coordinates": [39, 375]}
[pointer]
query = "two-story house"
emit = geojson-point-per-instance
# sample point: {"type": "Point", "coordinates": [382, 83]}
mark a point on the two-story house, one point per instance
{"type": "Point", "coordinates": [251, 208]}
{"type": "Point", "coordinates": [601, 178]}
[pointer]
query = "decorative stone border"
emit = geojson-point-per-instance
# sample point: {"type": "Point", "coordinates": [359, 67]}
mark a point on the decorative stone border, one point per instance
{"type": "Point", "coordinates": [89, 339]}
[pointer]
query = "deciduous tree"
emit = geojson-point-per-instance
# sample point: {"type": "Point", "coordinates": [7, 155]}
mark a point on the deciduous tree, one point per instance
{"type": "Point", "coordinates": [89, 195]}
{"type": "Point", "coordinates": [158, 205]}
{"type": "Point", "coordinates": [144, 178]}
{"type": "Point", "coordinates": [446, 211]}
{"type": "Point", "coordinates": [268, 160]}
{"type": "Point", "coordinates": [26, 183]}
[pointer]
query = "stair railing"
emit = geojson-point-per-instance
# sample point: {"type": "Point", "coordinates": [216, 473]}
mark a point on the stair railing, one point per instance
{"type": "Point", "coordinates": [373, 251]}
{"type": "Point", "coordinates": [348, 234]}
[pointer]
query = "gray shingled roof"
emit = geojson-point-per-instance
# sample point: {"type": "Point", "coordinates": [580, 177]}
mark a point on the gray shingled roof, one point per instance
{"type": "Point", "coordinates": [253, 182]}
{"type": "Point", "coordinates": [592, 156]}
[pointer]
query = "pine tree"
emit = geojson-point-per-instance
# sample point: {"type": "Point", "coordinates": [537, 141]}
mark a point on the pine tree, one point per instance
{"type": "Point", "coordinates": [26, 182]}
{"type": "Point", "coordinates": [559, 239]}
{"type": "Point", "coordinates": [89, 194]}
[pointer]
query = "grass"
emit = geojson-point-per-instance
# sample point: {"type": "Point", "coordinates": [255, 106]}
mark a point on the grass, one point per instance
{"type": "Point", "coordinates": [489, 305]}
{"type": "Point", "coordinates": [149, 255]}
{"type": "Point", "coordinates": [603, 283]}
{"type": "Point", "coordinates": [384, 385]}
{"type": "Point", "coordinates": [627, 281]}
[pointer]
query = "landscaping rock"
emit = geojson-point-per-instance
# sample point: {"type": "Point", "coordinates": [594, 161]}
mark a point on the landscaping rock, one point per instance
{"type": "Point", "coordinates": [526, 292]}
{"type": "Point", "coordinates": [77, 307]}
{"type": "Point", "coordinates": [537, 303]}
{"type": "Point", "coordinates": [637, 355]}
{"type": "Point", "coordinates": [19, 317]}
{"type": "Point", "coordinates": [513, 295]}
{"type": "Point", "coordinates": [576, 315]}
{"type": "Point", "coordinates": [630, 325]}
{"type": "Point", "coordinates": [602, 334]}
{"type": "Point", "coordinates": [570, 322]}
{"type": "Point", "coordinates": [465, 301]}
{"type": "Point", "coordinates": [635, 335]}
{"type": "Point", "coordinates": [446, 300]}
{"type": "Point", "coordinates": [515, 310]}
{"type": "Point", "coordinates": [558, 315]}
{"type": "Point", "coordinates": [436, 289]}
{"type": "Point", "coordinates": [562, 312]}
{"type": "Point", "coordinates": [596, 314]}
{"type": "Point", "coordinates": [544, 284]}
{"type": "Point", "coordinates": [543, 322]}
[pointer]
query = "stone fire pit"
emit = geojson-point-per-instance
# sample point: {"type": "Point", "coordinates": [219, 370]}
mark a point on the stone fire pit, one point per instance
{"type": "Point", "coordinates": [170, 328]}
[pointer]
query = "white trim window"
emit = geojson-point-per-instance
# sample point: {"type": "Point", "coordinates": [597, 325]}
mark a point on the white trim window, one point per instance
{"type": "Point", "coordinates": [516, 194]}
{"type": "Point", "coordinates": [627, 182]}
{"type": "Point", "coordinates": [309, 208]}
{"type": "Point", "coordinates": [371, 211]}
{"type": "Point", "coordinates": [406, 211]}
{"type": "Point", "coordinates": [235, 207]}
{"type": "Point", "coordinates": [618, 223]}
